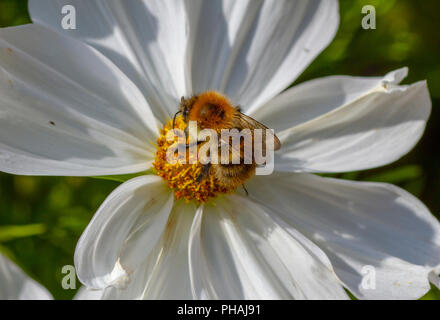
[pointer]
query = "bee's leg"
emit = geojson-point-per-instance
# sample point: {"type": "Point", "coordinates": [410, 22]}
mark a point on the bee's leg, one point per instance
{"type": "Point", "coordinates": [204, 173]}
{"type": "Point", "coordinates": [244, 188]}
{"type": "Point", "coordinates": [188, 145]}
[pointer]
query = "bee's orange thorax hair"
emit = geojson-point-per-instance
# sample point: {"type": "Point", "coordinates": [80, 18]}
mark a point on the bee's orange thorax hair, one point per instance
{"type": "Point", "coordinates": [212, 110]}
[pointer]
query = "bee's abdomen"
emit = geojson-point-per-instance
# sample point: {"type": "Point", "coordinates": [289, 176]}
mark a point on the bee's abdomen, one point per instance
{"type": "Point", "coordinates": [233, 174]}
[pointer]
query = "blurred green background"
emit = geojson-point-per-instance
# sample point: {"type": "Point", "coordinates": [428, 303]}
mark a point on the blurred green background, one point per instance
{"type": "Point", "coordinates": [41, 218]}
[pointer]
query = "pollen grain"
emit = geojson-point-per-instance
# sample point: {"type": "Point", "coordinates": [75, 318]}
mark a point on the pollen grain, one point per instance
{"type": "Point", "coordinates": [182, 178]}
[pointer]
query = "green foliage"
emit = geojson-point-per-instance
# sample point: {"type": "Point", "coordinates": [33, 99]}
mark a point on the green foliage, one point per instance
{"type": "Point", "coordinates": [8, 233]}
{"type": "Point", "coordinates": [13, 13]}
{"type": "Point", "coordinates": [124, 177]}
{"type": "Point", "coordinates": [42, 218]}
{"type": "Point", "coordinates": [434, 294]}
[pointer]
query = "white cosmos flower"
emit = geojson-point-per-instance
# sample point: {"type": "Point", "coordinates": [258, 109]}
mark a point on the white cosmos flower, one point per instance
{"type": "Point", "coordinates": [89, 102]}
{"type": "Point", "coordinates": [16, 285]}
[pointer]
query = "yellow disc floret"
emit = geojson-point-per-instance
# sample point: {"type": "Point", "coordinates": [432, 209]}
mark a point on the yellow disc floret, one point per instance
{"type": "Point", "coordinates": [184, 178]}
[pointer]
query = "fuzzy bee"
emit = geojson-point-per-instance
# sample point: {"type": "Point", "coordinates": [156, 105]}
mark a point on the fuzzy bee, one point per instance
{"type": "Point", "coordinates": [211, 110]}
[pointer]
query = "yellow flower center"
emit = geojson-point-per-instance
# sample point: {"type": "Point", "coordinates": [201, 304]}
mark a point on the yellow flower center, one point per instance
{"type": "Point", "coordinates": [183, 179]}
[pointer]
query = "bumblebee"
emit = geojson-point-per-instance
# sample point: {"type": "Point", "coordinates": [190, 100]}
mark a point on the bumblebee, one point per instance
{"type": "Point", "coordinates": [212, 110]}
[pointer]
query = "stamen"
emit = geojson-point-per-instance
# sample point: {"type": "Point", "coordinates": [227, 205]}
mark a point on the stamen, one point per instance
{"type": "Point", "coordinates": [183, 178]}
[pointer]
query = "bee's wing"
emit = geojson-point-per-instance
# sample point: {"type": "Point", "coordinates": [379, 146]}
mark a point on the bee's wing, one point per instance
{"type": "Point", "coordinates": [250, 123]}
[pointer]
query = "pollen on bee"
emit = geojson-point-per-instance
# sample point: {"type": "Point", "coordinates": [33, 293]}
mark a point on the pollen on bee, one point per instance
{"type": "Point", "coordinates": [183, 179]}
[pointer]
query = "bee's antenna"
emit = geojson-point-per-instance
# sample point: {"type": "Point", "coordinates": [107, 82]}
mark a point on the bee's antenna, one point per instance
{"type": "Point", "coordinates": [174, 118]}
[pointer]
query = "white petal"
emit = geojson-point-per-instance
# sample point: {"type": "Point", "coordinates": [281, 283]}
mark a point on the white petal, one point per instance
{"type": "Point", "coordinates": [16, 285]}
{"type": "Point", "coordinates": [434, 277]}
{"type": "Point", "coordinates": [239, 252]}
{"type": "Point", "coordinates": [199, 287]}
{"type": "Point", "coordinates": [123, 232]}
{"type": "Point", "coordinates": [314, 98]}
{"type": "Point", "coordinates": [87, 294]}
{"type": "Point", "coordinates": [252, 50]}
{"type": "Point", "coordinates": [359, 224]}
{"type": "Point", "coordinates": [164, 274]}
{"type": "Point", "coordinates": [169, 278]}
{"type": "Point", "coordinates": [134, 289]}
{"type": "Point", "coordinates": [146, 39]}
{"type": "Point", "coordinates": [67, 110]}
{"type": "Point", "coordinates": [365, 123]}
